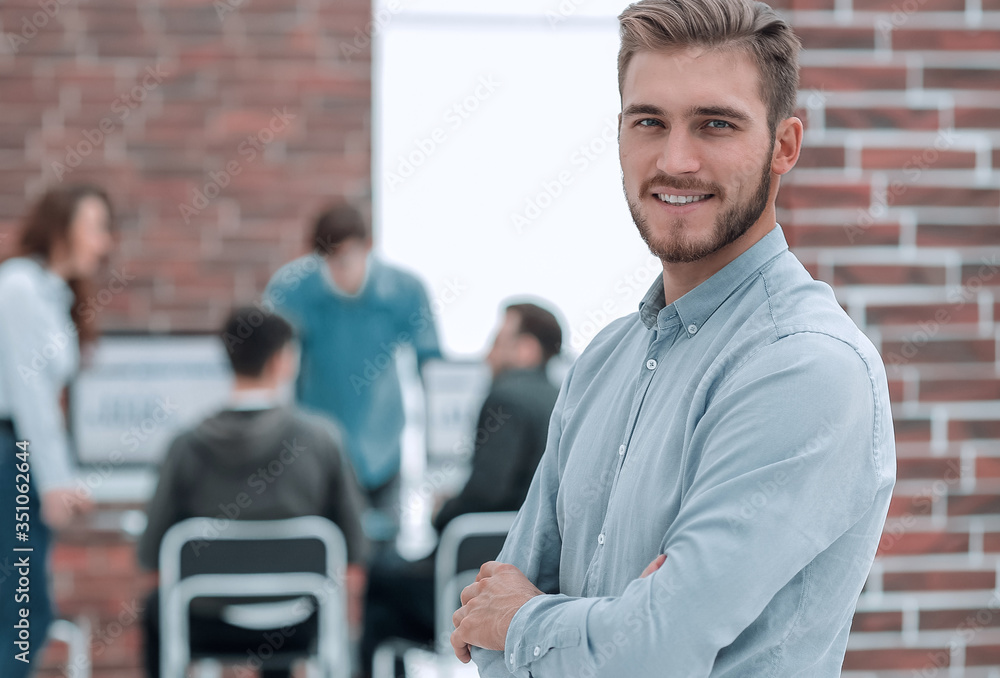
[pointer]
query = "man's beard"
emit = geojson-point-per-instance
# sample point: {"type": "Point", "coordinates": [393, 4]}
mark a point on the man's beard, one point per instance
{"type": "Point", "coordinates": [729, 226]}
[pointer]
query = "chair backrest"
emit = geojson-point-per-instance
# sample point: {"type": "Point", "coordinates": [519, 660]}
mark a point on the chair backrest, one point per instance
{"type": "Point", "coordinates": [243, 560]}
{"type": "Point", "coordinates": [466, 543]}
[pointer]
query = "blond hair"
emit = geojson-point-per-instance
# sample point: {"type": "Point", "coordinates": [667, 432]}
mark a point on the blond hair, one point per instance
{"type": "Point", "coordinates": [744, 25]}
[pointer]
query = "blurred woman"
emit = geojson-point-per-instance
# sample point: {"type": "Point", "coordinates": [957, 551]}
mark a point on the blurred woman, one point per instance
{"type": "Point", "coordinates": [63, 242]}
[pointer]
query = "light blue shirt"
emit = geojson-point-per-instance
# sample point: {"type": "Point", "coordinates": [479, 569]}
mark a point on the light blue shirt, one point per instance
{"type": "Point", "coordinates": [744, 431]}
{"type": "Point", "coordinates": [39, 353]}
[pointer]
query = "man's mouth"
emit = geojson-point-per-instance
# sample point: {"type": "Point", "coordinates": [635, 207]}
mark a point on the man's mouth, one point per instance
{"type": "Point", "coordinates": [681, 199]}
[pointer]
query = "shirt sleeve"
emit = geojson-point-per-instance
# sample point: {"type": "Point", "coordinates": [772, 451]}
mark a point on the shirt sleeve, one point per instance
{"type": "Point", "coordinates": [421, 320]}
{"type": "Point", "coordinates": [533, 544]}
{"type": "Point", "coordinates": [502, 428]}
{"type": "Point", "coordinates": [32, 391]}
{"type": "Point", "coordinates": [803, 417]}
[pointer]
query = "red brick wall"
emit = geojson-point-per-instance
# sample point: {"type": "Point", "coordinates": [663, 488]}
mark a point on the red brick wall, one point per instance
{"type": "Point", "coordinates": [219, 128]}
{"type": "Point", "coordinates": [896, 202]}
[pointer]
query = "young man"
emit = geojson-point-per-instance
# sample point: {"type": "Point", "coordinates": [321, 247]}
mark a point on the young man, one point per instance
{"type": "Point", "coordinates": [510, 438]}
{"type": "Point", "coordinates": [719, 464]}
{"type": "Point", "coordinates": [352, 312]}
{"type": "Point", "coordinates": [258, 458]}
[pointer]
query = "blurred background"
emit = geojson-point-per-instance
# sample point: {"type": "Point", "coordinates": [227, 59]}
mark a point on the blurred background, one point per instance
{"type": "Point", "coordinates": [484, 138]}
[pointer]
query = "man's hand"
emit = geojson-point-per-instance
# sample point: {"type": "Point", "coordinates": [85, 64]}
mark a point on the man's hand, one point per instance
{"type": "Point", "coordinates": [654, 566]}
{"type": "Point", "coordinates": [488, 606]}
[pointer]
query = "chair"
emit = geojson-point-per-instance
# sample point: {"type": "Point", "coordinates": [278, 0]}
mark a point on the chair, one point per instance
{"type": "Point", "coordinates": [255, 561]}
{"type": "Point", "coordinates": [466, 543]}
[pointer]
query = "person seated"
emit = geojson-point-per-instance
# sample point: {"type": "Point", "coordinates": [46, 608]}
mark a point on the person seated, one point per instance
{"type": "Point", "coordinates": [509, 442]}
{"type": "Point", "coordinates": [208, 468]}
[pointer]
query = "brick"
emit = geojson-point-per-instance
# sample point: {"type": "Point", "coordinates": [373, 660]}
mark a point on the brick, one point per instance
{"type": "Point", "coordinates": [875, 622]}
{"type": "Point", "coordinates": [797, 196]}
{"type": "Point", "coordinates": [903, 193]}
{"type": "Point", "coordinates": [979, 118]}
{"type": "Point", "coordinates": [916, 158]}
{"type": "Point", "coordinates": [912, 542]}
{"type": "Point", "coordinates": [912, 430]}
{"type": "Point", "coordinates": [949, 620]}
{"type": "Point", "coordinates": [937, 468]}
{"type": "Point", "coordinates": [908, 8]}
{"type": "Point", "coordinates": [991, 542]}
{"type": "Point", "coordinates": [973, 504]}
{"type": "Point", "coordinates": [821, 156]}
{"type": "Point", "coordinates": [938, 581]}
{"type": "Point", "coordinates": [849, 234]}
{"type": "Point", "coordinates": [984, 429]}
{"type": "Point", "coordinates": [895, 390]}
{"type": "Point", "coordinates": [917, 350]}
{"type": "Point", "coordinates": [943, 235]}
{"type": "Point", "coordinates": [896, 658]}
{"type": "Point", "coordinates": [882, 118]}
{"type": "Point", "coordinates": [982, 655]}
{"type": "Point", "coordinates": [851, 78]}
{"type": "Point", "coordinates": [832, 37]}
{"type": "Point", "coordinates": [985, 272]}
{"type": "Point", "coordinates": [937, 390]}
{"type": "Point", "coordinates": [945, 39]}
{"type": "Point", "coordinates": [906, 505]}
{"type": "Point", "coordinates": [988, 467]}
{"type": "Point", "coordinates": [941, 314]}
{"type": "Point", "coordinates": [962, 78]}
{"type": "Point", "coordinates": [888, 274]}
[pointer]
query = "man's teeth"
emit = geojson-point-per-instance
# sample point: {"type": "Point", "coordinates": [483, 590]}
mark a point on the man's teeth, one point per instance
{"type": "Point", "coordinates": [681, 199]}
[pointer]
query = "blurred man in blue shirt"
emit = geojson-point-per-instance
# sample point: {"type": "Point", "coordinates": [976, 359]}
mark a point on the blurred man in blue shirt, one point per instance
{"type": "Point", "coordinates": [719, 464]}
{"type": "Point", "coordinates": [352, 313]}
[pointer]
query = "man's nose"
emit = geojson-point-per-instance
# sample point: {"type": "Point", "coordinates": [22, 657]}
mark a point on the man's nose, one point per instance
{"type": "Point", "coordinates": [679, 154]}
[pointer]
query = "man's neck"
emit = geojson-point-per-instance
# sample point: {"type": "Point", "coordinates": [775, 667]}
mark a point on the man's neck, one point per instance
{"type": "Point", "coordinates": [253, 394]}
{"type": "Point", "coordinates": [679, 278]}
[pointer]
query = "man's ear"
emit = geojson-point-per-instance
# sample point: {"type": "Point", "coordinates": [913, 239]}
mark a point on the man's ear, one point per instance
{"type": "Point", "coordinates": [787, 145]}
{"type": "Point", "coordinates": [529, 351]}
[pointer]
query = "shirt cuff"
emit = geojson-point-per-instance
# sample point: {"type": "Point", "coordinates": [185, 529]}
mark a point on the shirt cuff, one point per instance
{"type": "Point", "coordinates": [538, 628]}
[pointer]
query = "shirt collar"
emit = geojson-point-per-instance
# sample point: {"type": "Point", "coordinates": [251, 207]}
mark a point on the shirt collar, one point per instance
{"type": "Point", "coordinates": [698, 305]}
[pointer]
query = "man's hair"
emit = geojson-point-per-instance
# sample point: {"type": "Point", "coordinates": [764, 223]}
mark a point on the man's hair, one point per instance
{"type": "Point", "coordinates": [540, 324]}
{"type": "Point", "coordinates": [338, 223]}
{"type": "Point", "coordinates": [744, 25]}
{"type": "Point", "coordinates": [252, 337]}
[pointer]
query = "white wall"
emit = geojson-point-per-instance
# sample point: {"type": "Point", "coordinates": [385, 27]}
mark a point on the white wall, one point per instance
{"type": "Point", "coordinates": [496, 163]}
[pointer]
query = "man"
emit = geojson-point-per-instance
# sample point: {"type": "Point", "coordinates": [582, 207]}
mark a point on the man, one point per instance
{"type": "Point", "coordinates": [352, 313]}
{"type": "Point", "coordinates": [510, 439]}
{"type": "Point", "coordinates": [731, 441]}
{"type": "Point", "coordinates": [514, 420]}
{"type": "Point", "coordinates": [258, 459]}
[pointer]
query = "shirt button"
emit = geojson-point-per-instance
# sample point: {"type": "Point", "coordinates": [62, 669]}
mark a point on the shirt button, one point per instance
{"type": "Point", "coordinates": [621, 450]}
{"type": "Point", "coordinates": [511, 658]}
{"type": "Point", "coordinates": [600, 539]}
{"type": "Point", "coordinates": [538, 650]}
{"type": "Point", "coordinates": [650, 364]}
{"type": "Point", "coordinates": [692, 329]}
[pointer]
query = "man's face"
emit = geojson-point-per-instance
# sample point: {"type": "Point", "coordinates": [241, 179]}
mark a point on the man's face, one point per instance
{"type": "Point", "coordinates": [506, 346]}
{"type": "Point", "coordinates": [695, 150]}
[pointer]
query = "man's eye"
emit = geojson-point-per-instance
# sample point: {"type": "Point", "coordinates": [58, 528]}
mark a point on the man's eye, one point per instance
{"type": "Point", "coordinates": [649, 122]}
{"type": "Point", "coordinates": [719, 124]}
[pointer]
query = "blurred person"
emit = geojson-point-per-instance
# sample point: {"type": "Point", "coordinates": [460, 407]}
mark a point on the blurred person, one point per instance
{"type": "Point", "coordinates": [220, 468]}
{"type": "Point", "coordinates": [509, 440]}
{"type": "Point", "coordinates": [65, 237]}
{"type": "Point", "coordinates": [720, 463]}
{"type": "Point", "coordinates": [352, 312]}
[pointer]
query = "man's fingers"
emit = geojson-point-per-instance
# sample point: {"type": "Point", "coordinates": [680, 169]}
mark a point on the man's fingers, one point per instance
{"type": "Point", "coordinates": [460, 614]}
{"type": "Point", "coordinates": [487, 570]}
{"type": "Point", "coordinates": [654, 566]}
{"type": "Point", "coordinates": [461, 647]}
{"type": "Point", "coordinates": [470, 592]}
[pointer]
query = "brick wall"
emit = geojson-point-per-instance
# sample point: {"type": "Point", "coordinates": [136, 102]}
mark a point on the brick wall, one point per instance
{"type": "Point", "coordinates": [896, 202]}
{"type": "Point", "coordinates": [219, 127]}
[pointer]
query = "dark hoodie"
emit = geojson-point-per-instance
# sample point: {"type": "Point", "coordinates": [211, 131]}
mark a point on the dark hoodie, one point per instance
{"type": "Point", "coordinates": [255, 465]}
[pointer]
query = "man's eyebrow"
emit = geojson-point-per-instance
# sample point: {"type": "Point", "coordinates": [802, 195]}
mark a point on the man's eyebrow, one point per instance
{"type": "Point", "coordinates": [643, 109]}
{"type": "Point", "coordinates": [718, 112]}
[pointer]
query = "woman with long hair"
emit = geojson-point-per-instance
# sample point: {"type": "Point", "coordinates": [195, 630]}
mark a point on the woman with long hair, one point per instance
{"type": "Point", "coordinates": [65, 237]}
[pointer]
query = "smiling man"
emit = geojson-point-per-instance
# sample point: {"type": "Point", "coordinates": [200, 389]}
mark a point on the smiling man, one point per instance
{"type": "Point", "coordinates": [719, 464]}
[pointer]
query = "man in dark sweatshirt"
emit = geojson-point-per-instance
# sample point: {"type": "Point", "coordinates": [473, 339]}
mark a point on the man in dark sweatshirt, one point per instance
{"type": "Point", "coordinates": [258, 459]}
